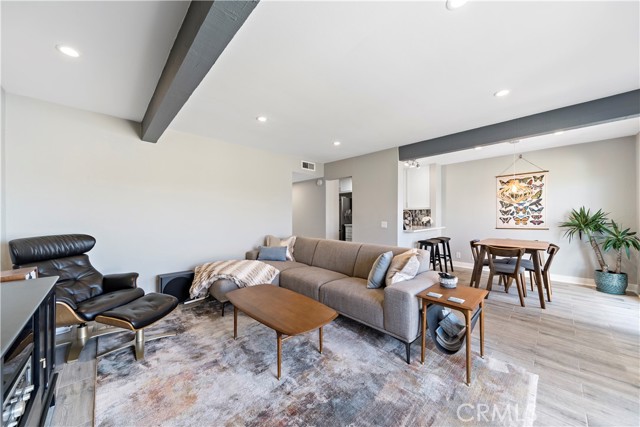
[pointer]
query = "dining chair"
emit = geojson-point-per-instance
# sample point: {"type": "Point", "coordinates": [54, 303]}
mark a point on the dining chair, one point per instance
{"type": "Point", "coordinates": [528, 266]}
{"type": "Point", "coordinates": [508, 271]}
{"type": "Point", "coordinates": [475, 252]}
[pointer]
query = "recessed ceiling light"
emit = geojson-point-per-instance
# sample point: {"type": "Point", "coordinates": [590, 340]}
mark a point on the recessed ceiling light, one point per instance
{"type": "Point", "coordinates": [501, 93]}
{"type": "Point", "coordinates": [478, 148]}
{"type": "Point", "coordinates": [68, 50]}
{"type": "Point", "coordinates": [454, 4]}
{"type": "Point", "coordinates": [261, 119]}
{"type": "Point", "coordinates": [336, 143]}
{"type": "Point", "coordinates": [560, 132]}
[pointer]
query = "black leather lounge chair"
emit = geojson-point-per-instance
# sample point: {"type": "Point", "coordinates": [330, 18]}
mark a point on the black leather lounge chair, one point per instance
{"type": "Point", "coordinates": [84, 294]}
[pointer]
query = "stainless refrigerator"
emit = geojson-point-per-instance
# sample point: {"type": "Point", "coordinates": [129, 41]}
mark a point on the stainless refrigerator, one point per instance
{"type": "Point", "coordinates": [345, 215]}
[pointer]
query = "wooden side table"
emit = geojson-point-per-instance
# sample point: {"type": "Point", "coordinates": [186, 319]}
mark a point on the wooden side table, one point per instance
{"type": "Point", "coordinates": [19, 274]}
{"type": "Point", "coordinates": [473, 299]}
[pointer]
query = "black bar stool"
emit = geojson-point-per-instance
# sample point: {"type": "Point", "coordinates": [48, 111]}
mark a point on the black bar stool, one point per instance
{"type": "Point", "coordinates": [434, 251]}
{"type": "Point", "coordinates": [446, 252]}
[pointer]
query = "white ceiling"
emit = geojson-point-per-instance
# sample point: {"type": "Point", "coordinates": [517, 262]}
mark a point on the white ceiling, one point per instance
{"type": "Point", "coordinates": [123, 46]}
{"type": "Point", "coordinates": [373, 75]}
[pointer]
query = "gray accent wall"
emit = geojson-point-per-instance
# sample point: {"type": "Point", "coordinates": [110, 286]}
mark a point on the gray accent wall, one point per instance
{"type": "Point", "coordinates": [309, 209]}
{"type": "Point", "coordinates": [375, 194]}
{"type": "Point", "coordinates": [153, 208]}
{"type": "Point", "coordinates": [597, 175]}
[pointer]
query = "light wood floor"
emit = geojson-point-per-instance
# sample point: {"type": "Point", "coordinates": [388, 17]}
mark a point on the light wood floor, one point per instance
{"type": "Point", "coordinates": [585, 347]}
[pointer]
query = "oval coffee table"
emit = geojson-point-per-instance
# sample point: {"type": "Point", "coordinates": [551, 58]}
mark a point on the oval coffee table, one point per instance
{"type": "Point", "coordinates": [286, 312]}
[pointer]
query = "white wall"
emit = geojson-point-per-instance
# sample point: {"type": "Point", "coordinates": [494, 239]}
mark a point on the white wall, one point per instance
{"type": "Point", "coordinates": [596, 175]}
{"type": "Point", "coordinates": [375, 194]}
{"type": "Point", "coordinates": [153, 208]}
{"type": "Point", "coordinates": [309, 210]}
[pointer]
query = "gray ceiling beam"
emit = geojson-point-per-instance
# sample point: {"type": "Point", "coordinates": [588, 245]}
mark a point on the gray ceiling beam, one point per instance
{"type": "Point", "coordinates": [207, 29]}
{"type": "Point", "coordinates": [609, 109]}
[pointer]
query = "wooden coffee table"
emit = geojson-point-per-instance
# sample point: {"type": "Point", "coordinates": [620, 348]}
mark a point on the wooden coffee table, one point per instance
{"type": "Point", "coordinates": [285, 311]}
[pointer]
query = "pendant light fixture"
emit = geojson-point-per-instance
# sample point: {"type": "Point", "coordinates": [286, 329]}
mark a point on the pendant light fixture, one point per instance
{"type": "Point", "coordinates": [412, 164]}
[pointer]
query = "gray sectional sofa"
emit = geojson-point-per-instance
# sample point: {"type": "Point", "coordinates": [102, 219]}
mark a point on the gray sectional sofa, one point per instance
{"type": "Point", "coordinates": [335, 273]}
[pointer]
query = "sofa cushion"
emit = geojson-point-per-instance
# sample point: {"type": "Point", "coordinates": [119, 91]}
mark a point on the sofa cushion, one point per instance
{"type": "Point", "coordinates": [368, 255]}
{"type": "Point", "coordinates": [308, 280]}
{"type": "Point", "coordinates": [351, 297]}
{"type": "Point", "coordinates": [92, 307]}
{"type": "Point", "coordinates": [304, 249]}
{"type": "Point", "coordinates": [379, 270]}
{"type": "Point", "coordinates": [403, 267]}
{"type": "Point", "coordinates": [336, 255]}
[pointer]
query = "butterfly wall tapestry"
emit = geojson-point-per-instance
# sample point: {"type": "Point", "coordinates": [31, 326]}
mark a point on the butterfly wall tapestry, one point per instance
{"type": "Point", "coordinates": [522, 201]}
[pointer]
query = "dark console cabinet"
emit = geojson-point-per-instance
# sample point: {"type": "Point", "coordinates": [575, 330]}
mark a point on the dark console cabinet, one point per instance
{"type": "Point", "coordinates": [28, 351]}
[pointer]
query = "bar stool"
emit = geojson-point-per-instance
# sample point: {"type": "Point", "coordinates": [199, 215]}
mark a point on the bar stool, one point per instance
{"type": "Point", "coordinates": [432, 245]}
{"type": "Point", "coordinates": [446, 252]}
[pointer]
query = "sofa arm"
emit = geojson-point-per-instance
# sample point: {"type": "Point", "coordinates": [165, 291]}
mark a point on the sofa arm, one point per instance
{"type": "Point", "coordinates": [402, 307]}
{"type": "Point", "coordinates": [253, 255]}
{"type": "Point", "coordinates": [117, 282]}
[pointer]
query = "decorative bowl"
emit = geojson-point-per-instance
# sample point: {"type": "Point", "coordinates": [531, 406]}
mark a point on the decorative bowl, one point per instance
{"type": "Point", "coordinates": [449, 283]}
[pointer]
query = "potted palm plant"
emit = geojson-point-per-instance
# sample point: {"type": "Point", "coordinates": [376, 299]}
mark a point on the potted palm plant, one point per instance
{"type": "Point", "coordinates": [585, 224]}
{"type": "Point", "coordinates": [596, 226]}
{"type": "Point", "coordinates": [616, 238]}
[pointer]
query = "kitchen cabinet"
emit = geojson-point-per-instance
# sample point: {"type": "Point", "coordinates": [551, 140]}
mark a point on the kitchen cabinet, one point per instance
{"type": "Point", "coordinates": [417, 188]}
{"type": "Point", "coordinates": [346, 185]}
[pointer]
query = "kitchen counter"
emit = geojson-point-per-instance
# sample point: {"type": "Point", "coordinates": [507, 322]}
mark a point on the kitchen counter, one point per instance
{"type": "Point", "coordinates": [423, 229]}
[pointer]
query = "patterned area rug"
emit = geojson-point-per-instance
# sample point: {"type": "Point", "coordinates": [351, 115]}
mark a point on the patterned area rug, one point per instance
{"type": "Point", "coordinates": [203, 376]}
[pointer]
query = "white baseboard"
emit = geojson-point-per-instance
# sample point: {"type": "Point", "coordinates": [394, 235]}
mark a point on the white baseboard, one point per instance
{"type": "Point", "coordinates": [633, 287]}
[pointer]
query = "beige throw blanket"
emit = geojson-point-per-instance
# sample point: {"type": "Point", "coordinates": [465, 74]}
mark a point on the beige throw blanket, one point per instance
{"type": "Point", "coordinates": [241, 272]}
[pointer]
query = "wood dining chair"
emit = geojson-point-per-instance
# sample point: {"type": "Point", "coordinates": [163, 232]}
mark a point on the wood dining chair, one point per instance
{"type": "Point", "coordinates": [508, 271]}
{"type": "Point", "coordinates": [475, 252]}
{"type": "Point", "coordinates": [528, 266]}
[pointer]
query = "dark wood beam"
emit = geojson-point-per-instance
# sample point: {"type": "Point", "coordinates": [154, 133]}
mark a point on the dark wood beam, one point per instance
{"type": "Point", "coordinates": [207, 29]}
{"type": "Point", "coordinates": [609, 109]}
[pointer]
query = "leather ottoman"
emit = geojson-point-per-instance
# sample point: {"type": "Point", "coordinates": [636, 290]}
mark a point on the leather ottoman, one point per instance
{"type": "Point", "coordinates": [137, 315]}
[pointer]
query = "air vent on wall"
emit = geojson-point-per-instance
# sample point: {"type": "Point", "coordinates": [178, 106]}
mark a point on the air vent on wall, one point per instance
{"type": "Point", "coordinates": [308, 166]}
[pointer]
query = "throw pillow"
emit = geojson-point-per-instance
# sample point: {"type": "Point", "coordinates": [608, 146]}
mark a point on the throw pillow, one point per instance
{"type": "Point", "coordinates": [403, 267]}
{"type": "Point", "coordinates": [379, 270]}
{"type": "Point", "coordinates": [288, 242]}
{"type": "Point", "coordinates": [274, 253]}
{"type": "Point", "coordinates": [424, 257]}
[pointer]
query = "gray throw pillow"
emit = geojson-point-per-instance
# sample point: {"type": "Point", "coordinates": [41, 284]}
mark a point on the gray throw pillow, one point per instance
{"type": "Point", "coordinates": [379, 270]}
{"type": "Point", "coordinates": [272, 253]}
